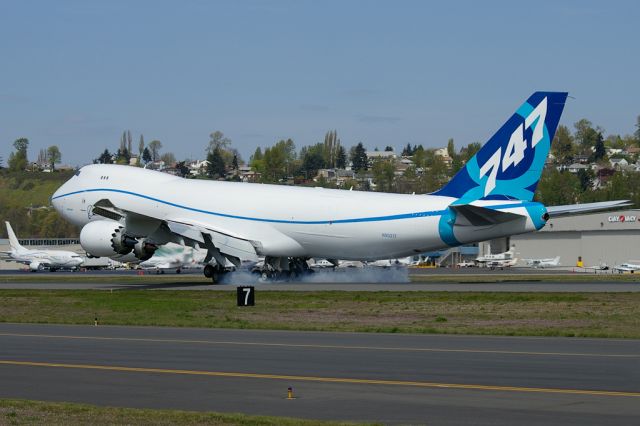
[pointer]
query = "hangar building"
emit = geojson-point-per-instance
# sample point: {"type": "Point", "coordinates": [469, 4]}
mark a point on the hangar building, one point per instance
{"type": "Point", "coordinates": [611, 238]}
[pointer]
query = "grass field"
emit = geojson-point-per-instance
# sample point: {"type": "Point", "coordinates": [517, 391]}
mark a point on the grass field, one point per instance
{"type": "Point", "coordinates": [533, 314]}
{"type": "Point", "coordinates": [23, 412]}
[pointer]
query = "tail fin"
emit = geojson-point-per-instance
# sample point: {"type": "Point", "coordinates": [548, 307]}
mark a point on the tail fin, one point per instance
{"type": "Point", "coordinates": [13, 240]}
{"type": "Point", "coordinates": [509, 165]}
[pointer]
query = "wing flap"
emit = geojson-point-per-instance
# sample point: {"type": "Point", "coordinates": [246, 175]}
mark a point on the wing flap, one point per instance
{"type": "Point", "coordinates": [225, 242]}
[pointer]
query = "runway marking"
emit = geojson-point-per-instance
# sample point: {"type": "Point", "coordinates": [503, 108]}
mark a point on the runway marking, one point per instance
{"type": "Point", "coordinates": [316, 346]}
{"type": "Point", "coordinates": [344, 380]}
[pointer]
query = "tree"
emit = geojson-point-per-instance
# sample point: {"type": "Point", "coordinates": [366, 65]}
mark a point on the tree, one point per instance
{"type": "Point", "coordinates": [155, 146]}
{"type": "Point", "coordinates": [341, 158]}
{"type": "Point", "coordinates": [586, 179]}
{"type": "Point", "coordinates": [168, 158]}
{"type": "Point", "coordinates": [388, 148]}
{"type": "Point", "coordinates": [359, 158]}
{"type": "Point", "coordinates": [557, 188]}
{"type": "Point", "coordinates": [141, 146]}
{"type": "Point", "coordinates": [586, 135]}
{"type": "Point", "coordinates": [256, 161]}
{"type": "Point", "coordinates": [384, 173]}
{"type": "Point", "coordinates": [451, 148]}
{"type": "Point", "coordinates": [129, 147]}
{"type": "Point", "coordinates": [123, 156]}
{"type": "Point", "coordinates": [330, 148]}
{"type": "Point", "coordinates": [215, 168]}
{"type": "Point", "coordinates": [312, 160]}
{"type": "Point", "coordinates": [218, 140]}
{"type": "Point", "coordinates": [278, 161]}
{"type": "Point", "coordinates": [562, 147]}
{"type": "Point", "coordinates": [234, 162]}
{"type": "Point", "coordinates": [470, 150]}
{"type": "Point", "coordinates": [182, 168]}
{"type": "Point", "coordinates": [637, 132]}
{"type": "Point", "coordinates": [54, 156]}
{"type": "Point", "coordinates": [600, 151]}
{"type": "Point", "coordinates": [18, 160]}
{"type": "Point", "coordinates": [104, 158]}
{"type": "Point", "coordinates": [146, 155]}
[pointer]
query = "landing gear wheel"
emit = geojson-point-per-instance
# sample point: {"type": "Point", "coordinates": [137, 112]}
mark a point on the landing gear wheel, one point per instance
{"type": "Point", "coordinates": [208, 271]}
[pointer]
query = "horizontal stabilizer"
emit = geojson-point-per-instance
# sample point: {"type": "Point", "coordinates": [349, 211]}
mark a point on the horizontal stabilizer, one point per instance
{"type": "Point", "coordinates": [470, 215]}
{"type": "Point", "coordinates": [575, 209]}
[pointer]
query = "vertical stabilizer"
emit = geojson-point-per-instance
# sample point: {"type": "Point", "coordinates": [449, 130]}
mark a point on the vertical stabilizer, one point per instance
{"type": "Point", "coordinates": [13, 240]}
{"type": "Point", "coordinates": [510, 164]}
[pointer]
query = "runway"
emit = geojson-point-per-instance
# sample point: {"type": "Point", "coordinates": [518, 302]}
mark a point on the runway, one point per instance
{"type": "Point", "coordinates": [386, 378]}
{"type": "Point", "coordinates": [505, 286]}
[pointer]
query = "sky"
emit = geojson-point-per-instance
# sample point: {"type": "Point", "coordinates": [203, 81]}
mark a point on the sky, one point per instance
{"type": "Point", "coordinates": [76, 74]}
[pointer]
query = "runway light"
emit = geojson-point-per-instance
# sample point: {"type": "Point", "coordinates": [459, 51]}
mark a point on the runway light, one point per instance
{"type": "Point", "coordinates": [95, 321]}
{"type": "Point", "coordinates": [290, 393]}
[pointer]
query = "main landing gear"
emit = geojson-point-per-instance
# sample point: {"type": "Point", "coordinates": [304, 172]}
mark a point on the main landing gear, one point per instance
{"type": "Point", "coordinates": [282, 269]}
{"type": "Point", "coordinates": [214, 272]}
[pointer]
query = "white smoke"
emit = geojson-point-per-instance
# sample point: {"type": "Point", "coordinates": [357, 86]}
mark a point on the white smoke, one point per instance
{"type": "Point", "coordinates": [328, 275]}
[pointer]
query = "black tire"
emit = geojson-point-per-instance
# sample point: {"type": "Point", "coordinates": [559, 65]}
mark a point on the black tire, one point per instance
{"type": "Point", "coordinates": [208, 271]}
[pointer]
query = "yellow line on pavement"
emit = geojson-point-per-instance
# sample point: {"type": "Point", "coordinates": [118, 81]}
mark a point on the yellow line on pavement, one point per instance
{"type": "Point", "coordinates": [343, 380]}
{"type": "Point", "coordinates": [317, 346]}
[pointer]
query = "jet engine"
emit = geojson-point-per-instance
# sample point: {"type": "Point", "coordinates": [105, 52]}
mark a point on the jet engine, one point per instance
{"type": "Point", "coordinates": [108, 238]}
{"type": "Point", "coordinates": [35, 266]}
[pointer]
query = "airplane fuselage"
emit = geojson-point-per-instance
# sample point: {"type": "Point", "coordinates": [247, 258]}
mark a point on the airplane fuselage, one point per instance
{"type": "Point", "coordinates": [291, 221]}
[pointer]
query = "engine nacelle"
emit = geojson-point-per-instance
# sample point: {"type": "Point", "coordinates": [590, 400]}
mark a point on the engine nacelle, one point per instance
{"type": "Point", "coordinates": [108, 238]}
{"type": "Point", "coordinates": [35, 266]}
{"type": "Point", "coordinates": [105, 238]}
{"type": "Point", "coordinates": [143, 249]}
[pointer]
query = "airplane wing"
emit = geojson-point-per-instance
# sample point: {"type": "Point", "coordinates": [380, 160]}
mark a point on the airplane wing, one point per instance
{"type": "Point", "coordinates": [470, 215]}
{"type": "Point", "coordinates": [575, 209]}
{"type": "Point", "coordinates": [224, 245]}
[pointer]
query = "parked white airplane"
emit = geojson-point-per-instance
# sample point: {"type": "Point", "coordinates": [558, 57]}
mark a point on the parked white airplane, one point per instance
{"type": "Point", "coordinates": [503, 263]}
{"type": "Point", "coordinates": [174, 256]}
{"type": "Point", "coordinates": [39, 259]}
{"type": "Point", "coordinates": [627, 267]}
{"type": "Point", "coordinates": [543, 263]}
{"type": "Point", "coordinates": [498, 257]}
{"type": "Point", "coordinates": [126, 209]}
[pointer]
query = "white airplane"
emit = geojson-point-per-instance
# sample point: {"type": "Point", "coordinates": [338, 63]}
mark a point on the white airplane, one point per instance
{"type": "Point", "coordinates": [324, 263]}
{"type": "Point", "coordinates": [501, 263]}
{"type": "Point", "coordinates": [39, 259]}
{"type": "Point", "coordinates": [498, 257]}
{"type": "Point", "coordinates": [124, 209]}
{"type": "Point", "coordinates": [388, 263]}
{"type": "Point", "coordinates": [627, 267]}
{"type": "Point", "coordinates": [543, 263]}
{"type": "Point", "coordinates": [174, 256]}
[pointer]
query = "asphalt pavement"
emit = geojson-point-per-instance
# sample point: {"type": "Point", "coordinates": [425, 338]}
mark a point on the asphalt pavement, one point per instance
{"type": "Point", "coordinates": [387, 378]}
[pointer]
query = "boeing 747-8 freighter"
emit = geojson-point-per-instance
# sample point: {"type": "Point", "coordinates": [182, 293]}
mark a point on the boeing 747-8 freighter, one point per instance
{"type": "Point", "coordinates": [130, 210]}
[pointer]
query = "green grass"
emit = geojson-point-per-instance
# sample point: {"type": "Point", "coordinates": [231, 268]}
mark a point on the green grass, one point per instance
{"type": "Point", "coordinates": [25, 412]}
{"type": "Point", "coordinates": [530, 314]}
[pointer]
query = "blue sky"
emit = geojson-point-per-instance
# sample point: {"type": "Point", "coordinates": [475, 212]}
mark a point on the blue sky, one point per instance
{"type": "Point", "coordinates": [78, 73]}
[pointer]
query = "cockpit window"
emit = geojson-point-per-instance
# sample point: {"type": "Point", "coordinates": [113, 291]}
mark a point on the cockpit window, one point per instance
{"type": "Point", "coordinates": [77, 173]}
